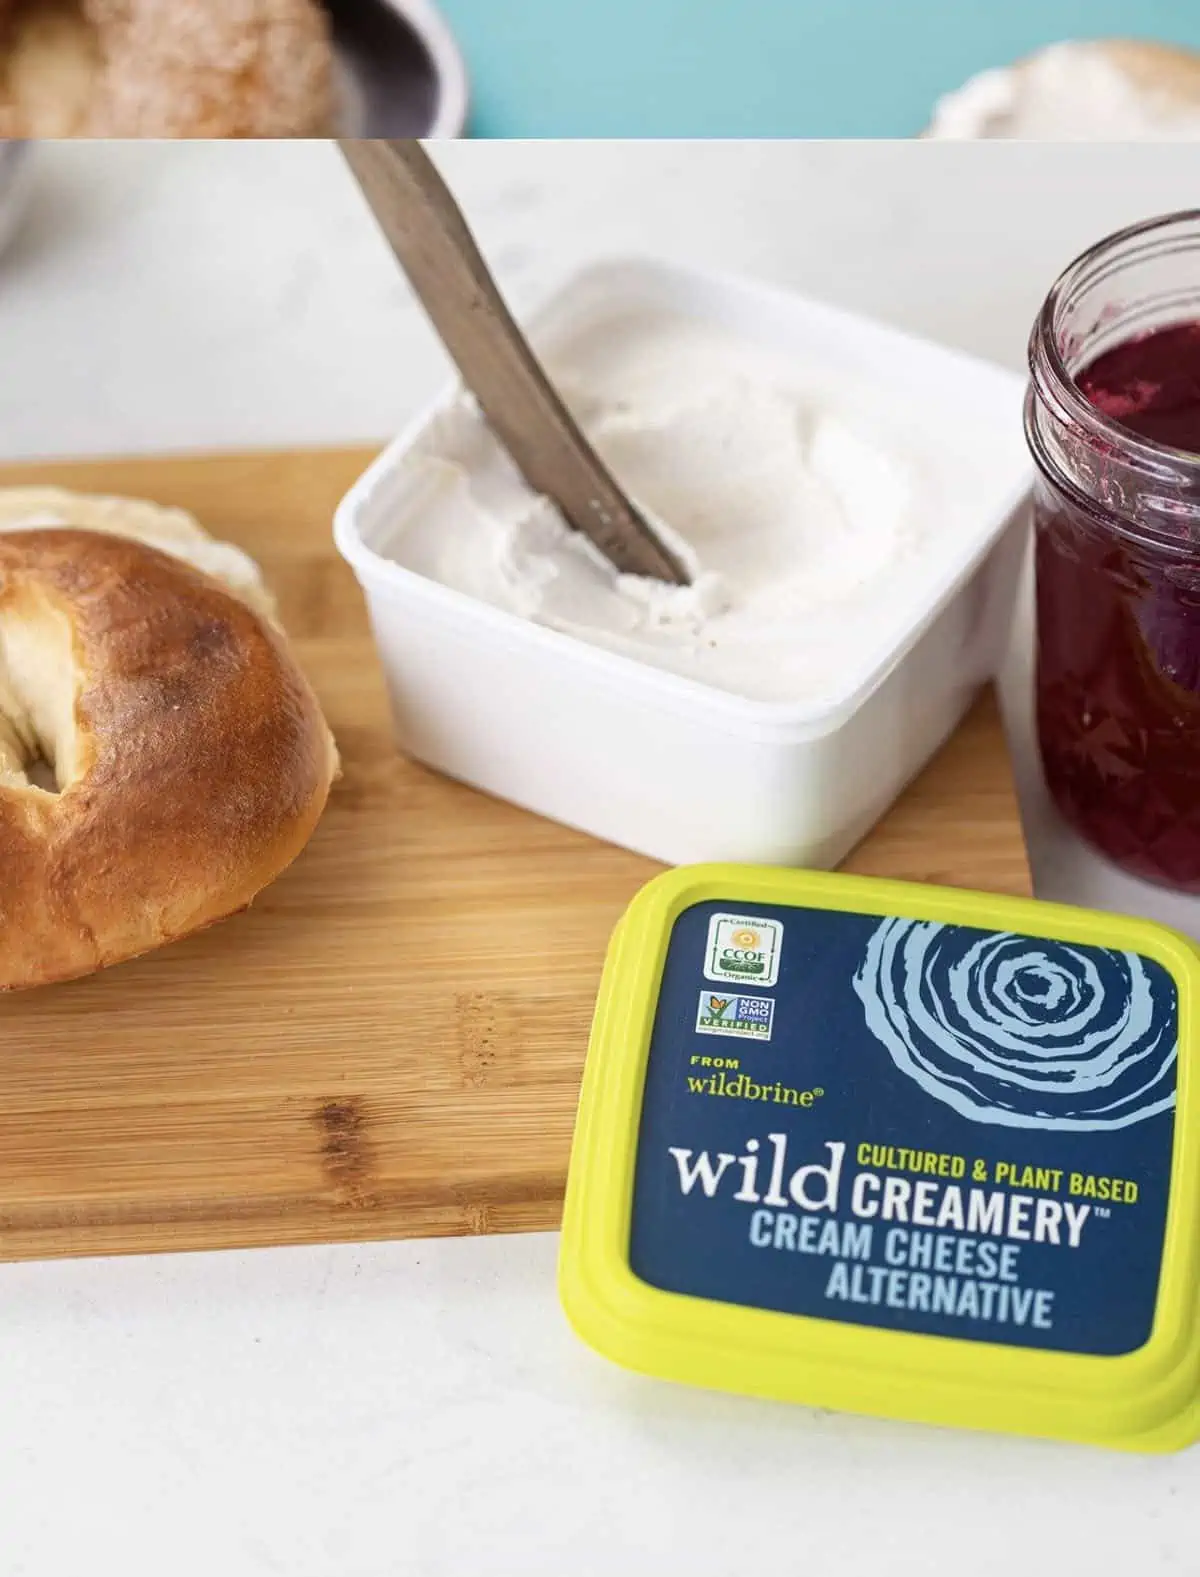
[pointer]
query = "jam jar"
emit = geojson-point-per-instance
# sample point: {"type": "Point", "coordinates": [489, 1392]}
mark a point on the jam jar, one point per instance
{"type": "Point", "coordinates": [1112, 416]}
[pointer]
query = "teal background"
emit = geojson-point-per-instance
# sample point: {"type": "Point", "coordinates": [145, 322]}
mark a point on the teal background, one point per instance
{"type": "Point", "coordinates": [759, 68]}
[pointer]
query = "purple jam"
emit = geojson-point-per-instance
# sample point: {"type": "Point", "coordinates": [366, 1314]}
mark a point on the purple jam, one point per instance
{"type": "Point", "coordinates": [1151, 385]}
{"type": "Point", "coordinates": [1118, 685]}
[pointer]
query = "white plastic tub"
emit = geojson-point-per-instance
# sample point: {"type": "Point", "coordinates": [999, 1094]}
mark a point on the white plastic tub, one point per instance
{"type": "Point", "coordinates": [657, 762]}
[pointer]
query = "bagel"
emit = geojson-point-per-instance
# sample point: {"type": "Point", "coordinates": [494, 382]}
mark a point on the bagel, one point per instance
{"type": "Point", "coordinates": [1109, 89]}
{"type": "Point", "coordinates": [1168, 73]}
{"type": "Point", "coordinates": [173, 531]}
{"type": "Point", "coordinates": [149, 68]}
{"type": "Point", "coordinates": [190, 758]}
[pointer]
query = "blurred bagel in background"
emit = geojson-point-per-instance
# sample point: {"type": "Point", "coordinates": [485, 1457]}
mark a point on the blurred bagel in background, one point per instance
{"type": "Point", "coordinates": [1101, 90]}
{"type": "Point", "coordinates": [165, 68]}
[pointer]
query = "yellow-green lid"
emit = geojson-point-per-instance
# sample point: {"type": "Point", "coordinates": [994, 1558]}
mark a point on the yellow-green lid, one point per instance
{"type": "Point", "coordinates": [894, 1149]}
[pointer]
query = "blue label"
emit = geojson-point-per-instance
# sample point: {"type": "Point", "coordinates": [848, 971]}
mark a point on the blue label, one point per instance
{"type": "Point", "coordinates": [954, 1131]}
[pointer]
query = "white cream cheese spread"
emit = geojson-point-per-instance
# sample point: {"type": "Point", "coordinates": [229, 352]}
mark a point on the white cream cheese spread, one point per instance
{"type": "Point", "coordinates": [803, 501]}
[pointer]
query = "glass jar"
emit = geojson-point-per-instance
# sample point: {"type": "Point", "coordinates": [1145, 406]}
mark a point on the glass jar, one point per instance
{"type": "Point", "coordinates": [1117, 544]}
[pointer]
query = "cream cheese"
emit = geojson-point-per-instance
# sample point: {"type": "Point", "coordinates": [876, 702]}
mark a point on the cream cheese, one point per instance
{"type": "Point", "coordinates": [804, 503]}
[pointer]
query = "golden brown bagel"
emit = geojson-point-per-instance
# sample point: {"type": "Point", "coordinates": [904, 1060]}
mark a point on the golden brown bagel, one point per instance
{"type": "Point", "coordinates": [191, 756]}
{"type": "Point", "coordinates": [1167, 71]}
{"type": "Point", "coordinates": [165, 68]}
{"type": "Point", "coordinates": [173, 530]}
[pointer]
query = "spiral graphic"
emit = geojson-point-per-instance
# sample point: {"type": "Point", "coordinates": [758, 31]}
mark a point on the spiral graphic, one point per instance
{"type": "Point", "coordinates": [1022, 1031]}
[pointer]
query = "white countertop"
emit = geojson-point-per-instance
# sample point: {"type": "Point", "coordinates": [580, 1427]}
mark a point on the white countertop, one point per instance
{"type": "Point", "coordinates": [420, 1408]}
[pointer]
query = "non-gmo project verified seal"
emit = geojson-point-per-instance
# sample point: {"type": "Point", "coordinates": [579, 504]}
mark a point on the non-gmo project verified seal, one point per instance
{"type": "Point", "coordinates": [749, 1017]}
{"type": "Point", "coordinates": [743, 950]}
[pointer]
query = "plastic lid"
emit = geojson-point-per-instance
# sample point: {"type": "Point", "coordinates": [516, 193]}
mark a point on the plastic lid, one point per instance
{"type": "Point", "coordinates": [894, 1149]}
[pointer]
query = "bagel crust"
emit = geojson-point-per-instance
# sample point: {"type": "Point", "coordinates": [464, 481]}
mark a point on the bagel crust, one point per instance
{"type": "Point", "coordinates": [192, 758]}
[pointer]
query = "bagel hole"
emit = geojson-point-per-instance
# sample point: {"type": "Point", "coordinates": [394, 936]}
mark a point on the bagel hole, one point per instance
{"type": "Point", "coordinates": [42, 775]}
{"type": "Point", "coordinates": [38, 684]}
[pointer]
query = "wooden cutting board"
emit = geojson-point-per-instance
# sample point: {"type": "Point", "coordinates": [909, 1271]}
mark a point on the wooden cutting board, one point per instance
{"type": "Point", "coordinates": [389, 1043]}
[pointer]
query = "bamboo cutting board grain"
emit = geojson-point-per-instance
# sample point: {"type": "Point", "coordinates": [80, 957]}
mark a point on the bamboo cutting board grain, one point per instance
{"type": "Point", "coordinates": [389, 1042]}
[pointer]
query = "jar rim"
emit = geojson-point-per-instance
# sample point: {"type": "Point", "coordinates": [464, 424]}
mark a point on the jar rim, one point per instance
{"type": "Point", "coordinates": [1053, 379]}
{"type": "Point", "coordinates": [1139, 532]}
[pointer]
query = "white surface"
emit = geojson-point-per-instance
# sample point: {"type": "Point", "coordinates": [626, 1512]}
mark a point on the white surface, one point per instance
{"type": "Point", "coordinates": [200, 295]}
{"type": "Point", "coordinates": [680, 771]}
{"type": "Point", "coordinates": [419, 1408]}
